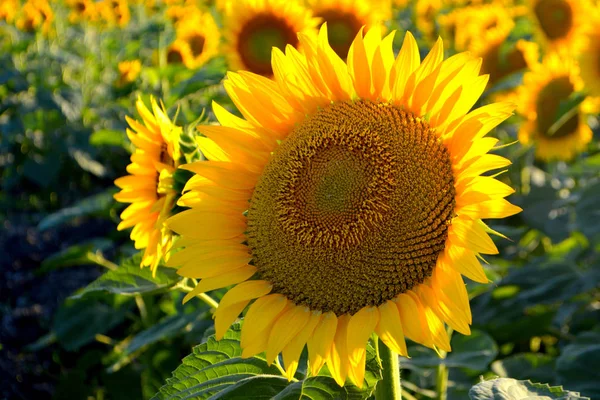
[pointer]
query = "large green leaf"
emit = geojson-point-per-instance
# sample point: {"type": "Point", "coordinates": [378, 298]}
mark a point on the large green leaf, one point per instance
{"type": "Point", "coordinates": [77, 322]}
{"type": "Point", "coordinates": [535, 366]}
{"type": "Point", "coordinates": [130, 279]}
{"type": "Point", "coordinates": [216, 370]}
{"type": "Point", "coordinates": [578, 365]}
{"type": "Point", "coordinates": [95, 205]}
{"type": "Point", "coordinates": [512, 389]}
{"type": "Point", "coordinates": [79, 254]}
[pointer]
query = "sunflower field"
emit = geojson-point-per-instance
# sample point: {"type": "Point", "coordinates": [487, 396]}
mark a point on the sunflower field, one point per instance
{"type": "Point", "coordinates": [300, 199]}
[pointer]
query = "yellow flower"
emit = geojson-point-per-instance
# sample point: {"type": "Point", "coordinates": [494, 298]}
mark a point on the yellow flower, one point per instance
{"type": "Point", "coordinates": [559, 23]}
{"type": "Point", "coordinates": [346, 201]}
{"type": "Point", "coordinates": [253, 27]}
{"type": "Point", "coordinates": [114, 12]}
{"type": "Point", "coordinates": [149, 186]}
{"type": "Point", "coordinates": [544, 88]}
{"type": "Point", "coordinates": [345, 18]}
{"type": "Point", "coordinates": [201, 34]}
{"type": "Point", "coordinates": [129, 71]}
{"type": "Point", "coordinates": [82, 10]}
{"type": "Point", "coordinates": [179, 52]}
{"type": "Point", "coordinates": [426, 14]}
{"type": "Point", "coordinates": [589, 59]}
{"type": "Point", "coordinates": [35, 13]}
{"type": "Point", "coordinates": [8, 10]}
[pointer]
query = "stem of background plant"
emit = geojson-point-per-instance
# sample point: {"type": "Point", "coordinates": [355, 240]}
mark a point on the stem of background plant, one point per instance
{"type": "Point", "coordinates": [442, 373]}
{"type": "Point", "coordinates": [389, 387]}
{"type": "Point", "coordinates": [202, 296]}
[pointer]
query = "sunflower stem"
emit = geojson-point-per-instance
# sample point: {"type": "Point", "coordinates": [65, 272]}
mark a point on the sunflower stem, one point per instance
{"type": "Point", "coordinates": [442, 381]}
{"type": "Point", "coordinates": [389, 387]}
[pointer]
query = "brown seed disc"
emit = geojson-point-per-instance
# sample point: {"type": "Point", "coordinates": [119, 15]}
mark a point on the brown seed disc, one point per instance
{"type": "Point", "coordinates": [555, 17]}
{"type": "Point", "coordinates": [258, 36]}
{"type": "Point", "coordinates": [353, 207]}
{"type": "Point", "coordinates": [548, 102]}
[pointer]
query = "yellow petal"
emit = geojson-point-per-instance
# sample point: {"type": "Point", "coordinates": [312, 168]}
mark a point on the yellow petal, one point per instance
{"type": "Point", "coordinates": [206, 225]}
{"type": "Point", "coordinates": [469, 234]}
{"type": "Point", "coordinates": [264, 310]}
{"type": "Point", "coordinates": [361, 326]}
{"type": "Point", "coordinates": [291, 352]}
{"type": "Point", "coordinates": [465, 262]}
{"type": "Point", "coordinates": [219, 281]}
{"type": "Point", "coordinates": [235, 300]}
{"type": "Point", "coordinates": [228, 174]}
{"type": "Point", "coordinates": [389, 328]}
{"type": "Point", "coordinates": [337, 361]}
{"type": "Point", "coordinates": [287, 326]}
{"type": "Point", "coordinates": [319, 344]}
{"type": "Point", "coordinates": [413, 319]}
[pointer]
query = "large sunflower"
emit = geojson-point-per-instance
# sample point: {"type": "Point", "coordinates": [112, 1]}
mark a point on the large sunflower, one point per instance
{"type": "Point", "coordinates": [149, 186]}
{"type": "Point", "coordinates": [545, 87]}
{"type": "Point", "coordinates": [344, 19]}
{"type": "Point", "coordinates": [560, 23]}
{"type": "Point", "coordinates": [347, 201]}
{"type": "Point", "coordinates": [253, 27]}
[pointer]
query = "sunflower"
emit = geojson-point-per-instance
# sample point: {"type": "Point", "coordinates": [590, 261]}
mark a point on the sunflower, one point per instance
{"type": "Point", "coordinates": [253, 27]}
{"type": "Point", "coordinates": [345, 18]}
{"type": "Point", "coordinates": [179, 52]}
{"type": "Point", "coordinates": [426, 14]}
{"type": "Point", "coordinates": [149, 186]}
{"type": "Point", "coordinates": [8, 10]}
{"type": "Point", "coordinates": [114, 12]}
{"type": "Point", "coordinates": [347, 201]}
{"type": "Point", "coordinates": [589, 59]}
{"type": "Point", "coordinates": [128, 71]}
{"type": "Point", "coordinates": [545, 87]}
{"type": "Point", "coordinates": [560, 23]}
{"type": "Point", "coordinates": [82, 10]}
{"type": "Point", "coordinates": [35, 13]}
{"type": "Point", "coordinates": [201, 34]}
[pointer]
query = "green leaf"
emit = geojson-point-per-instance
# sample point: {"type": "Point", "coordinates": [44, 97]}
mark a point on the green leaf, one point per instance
{"type": "Point", "coordinates": [536, 366]}
{"type": "Point", "coordinates": [512, 389]}
{"type": "Point", "coordinates": [79, 254]}
{"type": "Point", "coordinates": [77, 322]}
{"type": "Point", "coordinates": [579, 363]}
{"type": "Point", "coordinates": [216, 370]}
{"type": "Point", "coordinates": [474, 352]}
{"type": "Point", "coordinates": [109, 137]}
{"type": "Point", "coordinates": [95, 205]}
{"type": "Point", "coordinates": [130, 279]}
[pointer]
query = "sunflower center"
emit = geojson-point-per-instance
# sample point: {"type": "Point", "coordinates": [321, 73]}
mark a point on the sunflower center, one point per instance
{"type": "Point", "coordinates": [556, 91]}
{"type": "Point", "coordinates": [500, 63]}
{"type": "Point", "coordinates": [353, 207]}
{"type": "Point", "coordinates": [342, 27]}
{"type": "Point", "coordinates": [555, 17]}
{"type": "Point", "coordinates": [196, 43]}
{"type": "Point", "coordinates": [258, 36]}
{"type": "Point", "coordinates": [174, 56]}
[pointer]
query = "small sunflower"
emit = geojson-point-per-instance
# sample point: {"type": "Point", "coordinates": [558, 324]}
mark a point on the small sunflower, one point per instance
{"type": "Point", "coordinates": [82, 10]}
{"type": "Point", "coordinates": [344, 19]}
{"type": "Point", "coordinates": [589, 59]}
{"type": "Point", "coordinates": [545, 87]}
{"type": "Point", "coordinates": [253, 27]}
{"type": "Point", "coordinates": [560, 23]}
{"type": "Point", "coordinates": [347, 201]}
{"type": "Point", "coordinates": [8, 10]}
{"type": "Point", "coordinates": [114, 12]}
{"type": "Point", "coordinates": [179, 52]}
{"type": "Point", "coordinates": [426, 14]}
{"type": "Point", "coordinates": [129, 71]}
{"type": "Point", "coordinates": [149, 187]}
{"type": "Point", "coordinates": [202, 36]}
{"type": "Point", "coordinates": [35, 14]}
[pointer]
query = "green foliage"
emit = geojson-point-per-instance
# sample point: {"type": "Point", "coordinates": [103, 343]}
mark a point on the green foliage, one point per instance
{"type": "Point", "coordinates": [216, 370]}
{"type": "Point", "coordinates": [512, 389]}
{"type": "Point", "coordinates": [130, 279]}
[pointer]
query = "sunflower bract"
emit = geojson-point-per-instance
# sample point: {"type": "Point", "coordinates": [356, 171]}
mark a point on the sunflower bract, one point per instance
{"type": "Point", "coordinates": [348, 200]}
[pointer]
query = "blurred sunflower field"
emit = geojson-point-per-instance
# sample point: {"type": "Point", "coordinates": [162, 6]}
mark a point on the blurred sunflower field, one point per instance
{"type": "Point", "coordinates": [284, 199]}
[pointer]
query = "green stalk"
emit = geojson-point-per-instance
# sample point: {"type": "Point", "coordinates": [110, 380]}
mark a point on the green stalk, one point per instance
{"type": "Point", "coordinates": [442, 381]}
{"type": "Point", "coordinates": [389, 387]}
